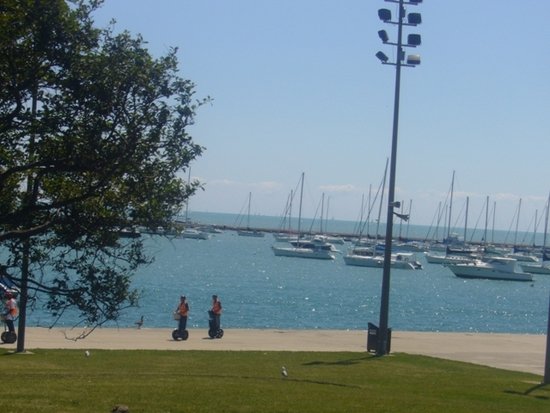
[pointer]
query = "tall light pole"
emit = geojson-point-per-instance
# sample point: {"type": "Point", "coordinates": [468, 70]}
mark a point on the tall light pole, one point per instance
{"type": "Point", "coordinates": [413, 40]}
{"type": "Point", "coordinates": [546, 379]}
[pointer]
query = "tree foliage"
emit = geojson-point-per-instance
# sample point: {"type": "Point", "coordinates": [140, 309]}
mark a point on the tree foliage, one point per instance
{"type": "Point", "coordinates": [93, 139]}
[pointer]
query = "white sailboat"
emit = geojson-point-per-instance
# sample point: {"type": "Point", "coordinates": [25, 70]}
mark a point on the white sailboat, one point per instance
{"type": "Point", "coordinates": [544, 266]}
{"type": "Point", "coordinates": [316, 248]}
{"type": "Point", "coordinates": [249, 232]}
{"type": "Point", "coordinates": [189, 232]}
{"type": "Point", "coordinates": [370, 256]}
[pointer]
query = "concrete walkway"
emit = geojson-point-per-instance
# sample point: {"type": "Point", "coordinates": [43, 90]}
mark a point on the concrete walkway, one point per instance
{"type": "Point", "coordinates": [519, 352]}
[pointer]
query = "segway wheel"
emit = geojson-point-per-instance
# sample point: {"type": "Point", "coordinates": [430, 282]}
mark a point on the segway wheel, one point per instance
{"type": "Point", "coordinates": [184, 335]}
{"type": "Point", "coordinates": [212, 333]}
{"type": "Point", "coordinates": [176, 334]}
{"type": "Point", "coordinates": [219, 333]}
{"type": "Point", "coordinates": [9, 337]}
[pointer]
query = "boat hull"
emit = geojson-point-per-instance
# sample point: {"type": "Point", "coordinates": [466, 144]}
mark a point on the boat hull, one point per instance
{"type": "Point", "coordinates": [536, 269]}
{"type": "Point", "coordinates": [192, 234]}
{"type": "Point", "coordinates": [302, 253]}
{"type": "Point", "coordinates": [251, 233]}
{"type": "Point", "coordinates": [378, 262]}
{"type": "Point", "coordinates": [447, 259]}
{"type": "Point", "coordinates": [474, 271]}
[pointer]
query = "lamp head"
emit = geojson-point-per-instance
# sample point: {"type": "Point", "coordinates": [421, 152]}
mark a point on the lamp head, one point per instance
{"type": "Point", "coordinates": [414, 18]}
{"type": "Point", "coordinates": [413, 59]}
{"type": "Point", "coordinates": [384, 15]}
{"type": "Point", "coordinates": [383, 58]}
{"type": "Point", "coordinates": [383, 35]}
{"type": "Point", "coordinates": [414, 40]}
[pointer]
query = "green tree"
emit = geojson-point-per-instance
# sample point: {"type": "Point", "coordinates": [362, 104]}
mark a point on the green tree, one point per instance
{"type": "Point", "coordinates": [93, 139]}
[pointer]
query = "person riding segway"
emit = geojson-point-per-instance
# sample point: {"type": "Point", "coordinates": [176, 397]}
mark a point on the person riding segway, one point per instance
{"type": "Point", "coordinates": [214, 329]}
{"type": "Point", "coordinates": [8, 316]}
{"type": "Point", "coordinates": [180, 314]}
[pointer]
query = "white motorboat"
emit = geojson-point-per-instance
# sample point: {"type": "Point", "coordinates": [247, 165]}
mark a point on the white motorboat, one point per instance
{"type": "Point", "coordinates": [285, 237]}
{"type": "Point", "coordinates": [523, 257]}
{"type": "Point", "coordinates": [194, 234]}
{"type": "Point", "coordinates": [543, 268]}
{"type": "Point", "coordinates": [314, 248]}
{"type": "Point", "coordinates": [250, 233]}
{"type": "Point", "coordinates": [448, 259]}
{"type": "Point", "coordinates": [493, 268]}
{"type": "Point", "coordinates": [363, 257]}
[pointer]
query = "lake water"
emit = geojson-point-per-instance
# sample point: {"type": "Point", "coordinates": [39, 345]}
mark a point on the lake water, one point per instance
{"type": "Point", "coordinates": [259, 290]}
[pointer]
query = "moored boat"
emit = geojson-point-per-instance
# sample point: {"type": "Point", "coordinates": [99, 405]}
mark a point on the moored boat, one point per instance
{"type": "Point", "coordinates": [543, 268]}
{"type": "Point", "coordinates": [362, 257]}
{"type": "Point", "coordinates": [193, 233]}
{"type": "Point", "coordinates": [314, 248]}
{"type": "Point", "coordinates": [448, 259]}
{"type": "Point", "coordinates": [493, 268]}
{"type": "Point", "coordinates": [250, 233]}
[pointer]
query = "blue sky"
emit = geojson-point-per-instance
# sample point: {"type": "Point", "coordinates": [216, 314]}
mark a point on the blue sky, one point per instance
{"type": "Point", "coordinates": [296, 88]}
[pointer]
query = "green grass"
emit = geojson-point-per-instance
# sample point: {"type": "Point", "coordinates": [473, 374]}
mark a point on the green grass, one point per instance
{"type": "Point", "coordinates": [204, 381]}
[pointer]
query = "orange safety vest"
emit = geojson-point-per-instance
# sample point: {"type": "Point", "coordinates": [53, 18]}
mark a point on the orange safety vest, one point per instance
{"type": "Point", "coordinates": [11, 306]}
{"type": "Point", "coordinates": [183, 309]}
{"type": "Point", "coordinates": [217, 307]}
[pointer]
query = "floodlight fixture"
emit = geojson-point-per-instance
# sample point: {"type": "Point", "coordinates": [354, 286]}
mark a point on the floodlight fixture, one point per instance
{"type": "Point", "coordinates": [384, 15]}
{"type": "Point", "coordinates": [383, 58]}
{"type": "Point", "coordinates": [414, 40]}
{"type": "Point", "coordinates": [383, 35]}
{"type": "Point", "coordinates": [413, 59]}
{"type": "Point", "coordinates": [414, 18]}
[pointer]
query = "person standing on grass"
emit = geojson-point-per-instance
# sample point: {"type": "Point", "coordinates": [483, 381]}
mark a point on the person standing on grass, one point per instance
{"type": "Point", "coordinates": [216, 311]}
{"type": "Point", "coordinates": [183, 311]}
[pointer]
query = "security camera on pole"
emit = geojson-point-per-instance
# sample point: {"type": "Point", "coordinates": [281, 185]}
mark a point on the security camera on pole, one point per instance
{"type": "Point", "coordinates": [413, 40]}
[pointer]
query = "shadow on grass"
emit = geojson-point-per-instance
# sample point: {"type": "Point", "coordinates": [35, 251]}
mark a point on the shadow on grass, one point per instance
{"type": "Point", "coordinates": [531, 390]}
{"type": "Point", "coordinates": [347, 362]}
{"type": "Point", "coordinates": [296, 380]}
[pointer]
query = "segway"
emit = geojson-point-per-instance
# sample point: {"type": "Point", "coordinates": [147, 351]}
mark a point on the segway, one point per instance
{"type": "Point", "coordinates": [8, 337]}
{"type": "Point", "coordinates": [178, 334]}
{"type": "Point", "coordinates": [213, 330]}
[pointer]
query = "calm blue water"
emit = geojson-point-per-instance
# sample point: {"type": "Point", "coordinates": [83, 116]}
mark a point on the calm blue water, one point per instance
{"type": "Point", "coordinates": [259, 290]}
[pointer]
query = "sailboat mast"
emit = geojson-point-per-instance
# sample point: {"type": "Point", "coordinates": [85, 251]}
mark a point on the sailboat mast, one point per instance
{"type": "Point", "coordinates": [326, 214]}
{"type": "Point", "coordinates": [290, 210]}
{"type": "Point", "coordinates": [369, 201]}
{"type": "Point", "coordinates": [545, 227]}
{"type": "Point", "coordinates": [535, 227]}
{"type": "Point", "coordinates": [451, 206]}
{"type": "Point", "coordinates": [517, 223]}
{"type": "Point", "coordinates": [300, 207]}
{"type": "Point", "coordinates": [466, 218]}
{"type": "Point", "coordinates": [381, 198]}
{"type": "Point", "coordinates": [494, 218]}
{"type": "Point", "coordinates": [322, 212]}
{"type": "Point", "coordinates": [486, 219]}
{"type": "Point", "coordinates": [409, 221]}
{"type": "Point", "coordinates": [248, 215]}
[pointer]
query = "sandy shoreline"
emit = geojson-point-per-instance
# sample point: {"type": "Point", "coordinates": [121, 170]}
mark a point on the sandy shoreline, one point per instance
{"type": "Point", "coordinates": [519, 352]}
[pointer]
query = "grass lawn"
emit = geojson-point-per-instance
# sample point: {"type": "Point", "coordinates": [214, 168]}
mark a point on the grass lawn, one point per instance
{"type": "Point", "coordinates": [60, 381]}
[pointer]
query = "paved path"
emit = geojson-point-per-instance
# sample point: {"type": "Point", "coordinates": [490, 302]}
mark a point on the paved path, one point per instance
{"type": "Point", "coordinates": [519, 352]}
